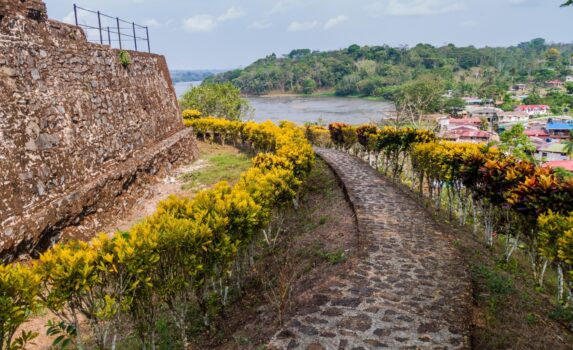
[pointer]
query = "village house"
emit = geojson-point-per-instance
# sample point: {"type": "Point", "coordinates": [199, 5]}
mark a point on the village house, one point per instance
{"type": "Point", "coordinates": [559, 130]}
{"type": "Point", "coordinates": [557, 84]}
{"type": "Point", "coordinates": [563, 164]}
{"type": "Point", "coordinates": [513, 117]}
{"type": "Point", "coordinates": [519, 87]}
{"type": "Point", "coordinates": [539, 133]}
{"type": "Point", "coordinates": [472, 101]}
{"type": "Point", "coordinates": [489, 114]}
{"type": "Point", "coordinates": [533, 110]}
{"type": "Point", "coordinates": [551, 152]}
{"type": "Point", "coordinates": [469, 134]}
{"type": "Point", "coordinates": [447, 124]}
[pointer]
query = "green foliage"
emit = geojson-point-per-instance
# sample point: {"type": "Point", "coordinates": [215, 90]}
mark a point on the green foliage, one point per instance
{"type": "Point", "coordinates": [308, 86]}
{"type": "Point", "coordinates": [173, 260]}
{"type": "Point", "coordinates": [375, 70]}
{"type": "Point", "coordinates": [124, 58]}
{"type": "Point", "coordinates": [569, 87]}
{"type": "Point", "coordinates": [335, 257]}
{"type": "Point", "coordinates": [64, 333]}
{"type": "Point", "coordinates": [454, 104]}
{"type": "Point", "coordinates": [216, 100]}
{"type": "Point", "coordinates": [516, 143]}
{"type": "Point", "coordinates": [19, 287]}
{"type": "Point", "coordinates": [420, 96]}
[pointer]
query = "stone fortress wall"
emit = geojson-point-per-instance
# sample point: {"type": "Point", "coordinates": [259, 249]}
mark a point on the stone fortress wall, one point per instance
{"type": "Point", "coordinates": [77, 129]}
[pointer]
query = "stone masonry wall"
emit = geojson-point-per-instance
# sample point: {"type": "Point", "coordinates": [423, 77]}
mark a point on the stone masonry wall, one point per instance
{"type": "Point", "coordinates": [71, 115]}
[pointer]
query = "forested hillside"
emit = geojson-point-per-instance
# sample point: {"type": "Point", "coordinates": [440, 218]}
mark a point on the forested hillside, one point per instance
{"type": "Point", "coordinates": [381, 70]}
{"type": "Point", "coordinates": [192, 75]}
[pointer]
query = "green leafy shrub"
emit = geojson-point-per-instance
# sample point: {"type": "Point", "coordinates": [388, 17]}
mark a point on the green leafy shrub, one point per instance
{"type": "Point", "coordinates": [124, 58]}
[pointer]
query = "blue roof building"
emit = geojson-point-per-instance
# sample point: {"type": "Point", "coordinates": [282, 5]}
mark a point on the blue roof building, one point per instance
{"type": "Point", "coordinates": [561, 130]}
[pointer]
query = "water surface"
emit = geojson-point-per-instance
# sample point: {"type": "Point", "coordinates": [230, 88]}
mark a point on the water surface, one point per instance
{"type": "Point", "coordinates": [302, 109]}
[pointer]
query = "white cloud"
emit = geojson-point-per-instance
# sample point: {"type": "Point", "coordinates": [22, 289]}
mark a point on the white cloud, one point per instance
{"type": "Point", "coordinates": [232, 13]}
{"type": "Point", "coordinates": [302, 26]}
{"type": "Point", "coordinates": [415, 7]}
{"type": "Point", "coordinates": [333, 22]}
{"type": "Point", "coordinates": [206, 23]}
{"type": "Point", "coordinates": [200, 23]}
{"type": "Point", "coordinates": [260, 25]}
{"type": "Point", "coordinates": [151, 23]}
{"type": "Point", "coordinates": [283, 6]}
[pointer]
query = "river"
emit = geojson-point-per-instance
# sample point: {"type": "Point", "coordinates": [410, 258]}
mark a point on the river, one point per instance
{"type": "Point", "coordinates": [302, 109]}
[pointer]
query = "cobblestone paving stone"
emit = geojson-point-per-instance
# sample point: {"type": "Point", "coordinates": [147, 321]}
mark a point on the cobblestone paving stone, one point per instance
{"type": "Point", "coordinates": [408, 289]}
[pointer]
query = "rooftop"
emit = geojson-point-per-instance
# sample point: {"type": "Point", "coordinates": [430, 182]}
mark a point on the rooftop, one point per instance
{"type": "Point", "coordinates": [553, 148]}
{"type": "Point", "coordinates": [559, 126]}
{"type": "Point", "coordinates": [565, 164]}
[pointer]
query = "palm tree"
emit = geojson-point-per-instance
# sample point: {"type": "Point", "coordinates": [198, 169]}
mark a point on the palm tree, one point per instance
{"type": "Point", "coordinates": [569, 144]}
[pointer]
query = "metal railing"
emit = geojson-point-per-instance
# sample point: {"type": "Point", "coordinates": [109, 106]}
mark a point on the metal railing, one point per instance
{"type": "Point", "coordinates": [111, 31]}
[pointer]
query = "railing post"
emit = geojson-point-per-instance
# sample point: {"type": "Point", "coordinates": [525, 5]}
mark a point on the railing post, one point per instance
{"type": "Point", "coordinates": [108, 37]}
{"type": "Point", "coordinates": [134, 36]}
{"type": "Point", "coordinates": [99, 26]}
{"type": "Point", "coordinates": [76, 14]}
{"type": "Point", "coordinates": [118, 32]}
{"type": "Point", "coordinates": [148, 46]}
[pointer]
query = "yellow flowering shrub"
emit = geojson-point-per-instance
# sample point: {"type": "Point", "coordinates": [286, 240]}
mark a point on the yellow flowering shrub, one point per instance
{"type": "Point", "coordinates": [171, 260]}
{"type": "Point", "coordinates": [19, 287]}
{"type": "Point", "coordinates": [190, 114]}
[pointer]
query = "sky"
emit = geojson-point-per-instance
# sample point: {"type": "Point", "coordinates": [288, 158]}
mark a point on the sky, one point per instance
{"type": "Point", "coordinates": [225, 34]}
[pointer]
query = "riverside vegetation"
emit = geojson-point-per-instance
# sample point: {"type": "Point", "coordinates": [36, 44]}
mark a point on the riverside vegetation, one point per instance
{"type": "Point", "coordinates": [184, 260]}
{"type": "Point", "coordinates": [400, 74]}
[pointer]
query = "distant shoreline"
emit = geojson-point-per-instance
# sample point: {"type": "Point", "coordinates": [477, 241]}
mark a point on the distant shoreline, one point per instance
{"type": "Point", "coordinates": [324, 93]}
{"type": "Point", "coordinates": [317, 94]}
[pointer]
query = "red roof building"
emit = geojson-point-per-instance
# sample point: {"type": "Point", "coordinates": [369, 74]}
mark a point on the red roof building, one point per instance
{"type": "Point", "coordinates": [533, 109]}
{"type": "Point", "coordinates": [555, 83]}
{"type": "Point", "coordinates": [565, 164]}
{"type": "Point", "coordinates": [541, 133]}
{"type": "Point", "coordinates": [454, 123]}
{"type": "Point", "coordinates": [469, 134]}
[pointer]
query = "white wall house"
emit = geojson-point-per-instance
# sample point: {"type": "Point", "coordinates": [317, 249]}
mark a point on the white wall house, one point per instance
{"type": "Point", "coordinates": [533, 109]}
{"type": "Point", "coordinates": [551, 152]}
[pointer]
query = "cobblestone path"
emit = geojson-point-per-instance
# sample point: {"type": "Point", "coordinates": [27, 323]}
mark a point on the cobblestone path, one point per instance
{"type": "Point", "coordinates": [407, 289]}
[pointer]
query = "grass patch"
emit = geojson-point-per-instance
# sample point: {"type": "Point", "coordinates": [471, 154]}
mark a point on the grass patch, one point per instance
{"type": "Point", "coordinates": [336, 257]}
{"type": "Point", "coordinates": [223, 164]}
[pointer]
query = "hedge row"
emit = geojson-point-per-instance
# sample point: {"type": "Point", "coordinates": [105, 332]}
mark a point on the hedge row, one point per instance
{"type": "Point", "coordinates": [182, 259]}
{"type": "Point", "coordinates": [508, 198]}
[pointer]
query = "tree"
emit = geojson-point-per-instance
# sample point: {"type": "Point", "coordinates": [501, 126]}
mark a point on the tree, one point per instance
{"type": "Point", "coordinates": [569, 145]}
{"type": "Point", "coordinates": [422, 96]}
{"type": "Point", "coordinates": [569, 86]}
{"type": "Point", "coordinates": [553, 55]}
{"type": "Point", "coordinates": [454, 105]}
{"type": "Point", "coordinates": [308, 86]}
{"type": "Point", "coordinates": [568, 3]}
{"type": "Point", "coordinates": [532, 99]}
{"type": "Point", "coordinates": [515, 142]}
{"type": "Point", "coordinates": [217, 100]}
